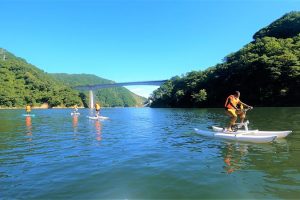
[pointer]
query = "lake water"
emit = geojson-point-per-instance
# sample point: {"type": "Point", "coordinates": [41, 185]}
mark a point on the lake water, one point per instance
{"type": "Point", "coordinates": [145, 153]}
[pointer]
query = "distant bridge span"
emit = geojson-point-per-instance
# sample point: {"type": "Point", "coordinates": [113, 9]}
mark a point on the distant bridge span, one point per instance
{"type": "Point", "coordinates": [110, 85]}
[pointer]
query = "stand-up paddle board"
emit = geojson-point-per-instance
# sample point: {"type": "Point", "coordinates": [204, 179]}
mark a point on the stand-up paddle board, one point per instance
{"type": "Point", "coordinates": [28, 115]}
{"type": "Point", "coordinates": [75, 113]}
{"type": "Point", "coordinates": [99, 117]}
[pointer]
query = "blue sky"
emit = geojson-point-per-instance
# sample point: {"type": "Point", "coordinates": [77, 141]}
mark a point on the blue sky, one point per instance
{"type": "Point", "coordinates": [132, 40]}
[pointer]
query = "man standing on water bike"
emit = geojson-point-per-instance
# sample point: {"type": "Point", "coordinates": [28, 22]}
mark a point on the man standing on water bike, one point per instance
{"type": "Point", "coordinates": [234, 107]}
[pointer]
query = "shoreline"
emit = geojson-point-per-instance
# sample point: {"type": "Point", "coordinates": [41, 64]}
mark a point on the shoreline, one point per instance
{"type": "Point", "coordinates": [42, 108]}
{"type": "Point", "coordinates": [35, 108]}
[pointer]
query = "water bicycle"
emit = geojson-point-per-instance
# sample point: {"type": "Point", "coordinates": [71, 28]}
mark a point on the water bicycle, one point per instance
{"type": "Point", "coordinates": [237, 128]}
{"type": "Point", "coordinates": [241, 132]}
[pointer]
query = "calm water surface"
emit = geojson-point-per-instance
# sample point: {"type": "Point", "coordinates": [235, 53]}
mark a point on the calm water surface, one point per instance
{"type": "Point", "coordinates": [146, 154]}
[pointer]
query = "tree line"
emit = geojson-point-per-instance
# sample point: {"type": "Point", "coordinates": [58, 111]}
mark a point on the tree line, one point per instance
{"type": "Point", "coordinates": [265, 71]}
{"type": "Point", "coordinates": [22, 83]}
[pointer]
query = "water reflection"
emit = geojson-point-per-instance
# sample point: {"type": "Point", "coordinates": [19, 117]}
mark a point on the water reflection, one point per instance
{"type": "Point", "coordinates": [158, 148]}
{"type": "Point", "coordinates": [98, 127]}
{"type": "Point", "coordinates": [75, 123]}
{"type": "Point", "coordinates": [233, 156]}
{"type": "Point", "coordinates": [28, 127]}
{"type": "Point", "coordinates": [258, 156]}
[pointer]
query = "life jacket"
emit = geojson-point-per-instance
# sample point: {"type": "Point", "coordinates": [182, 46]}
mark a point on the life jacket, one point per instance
{"type": "Point", "coordinates": [240, 106]}
{"type": "Point", "coordinates": [97, 106]}
{"type": "Point", "coordinates": [28, 108]}
{"type": "Point", "coordinates": [231, 101]}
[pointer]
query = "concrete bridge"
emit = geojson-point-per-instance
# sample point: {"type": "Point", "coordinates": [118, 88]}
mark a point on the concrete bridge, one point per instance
{"type": "Point", "coordinates": [110, 85]}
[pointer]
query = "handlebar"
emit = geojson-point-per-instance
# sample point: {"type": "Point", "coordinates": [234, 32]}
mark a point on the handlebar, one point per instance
{"type": "Point", "coordinates": [245, 110]}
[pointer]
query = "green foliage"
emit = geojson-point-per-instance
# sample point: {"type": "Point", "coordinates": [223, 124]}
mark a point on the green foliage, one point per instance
{"type": "Point", "coordinates": [79, 79]}
{"type": "Point", "coordinates": [266, 72]}
{"type": "Point", "coordinates": [84, 99]}
{"type": "Point", "coordinates": [286, 27]}
{"type": "Point", "coordinates": [22, 83]}
{"type": "Point", "coordinates": [200, 96]}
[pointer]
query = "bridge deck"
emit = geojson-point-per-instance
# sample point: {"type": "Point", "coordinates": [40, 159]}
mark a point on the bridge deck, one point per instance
{"type": "Point", "coordinates": [110, 85]}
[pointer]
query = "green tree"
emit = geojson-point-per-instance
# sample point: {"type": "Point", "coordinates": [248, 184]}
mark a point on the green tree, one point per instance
{"type": "Point", "coordinates": [266, 71]}
{"type": "Point", "coordinates": [200, 96]}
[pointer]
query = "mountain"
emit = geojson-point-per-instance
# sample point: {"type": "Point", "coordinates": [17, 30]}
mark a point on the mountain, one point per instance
{"type": "Point", "coordinates": [287, 26]}
{"type": "Point", "coordinates": [108, 97]}
{"type": "Point", "coordinates": [265, 71]}
{"type": "Point", "coordinates": [22, 83]}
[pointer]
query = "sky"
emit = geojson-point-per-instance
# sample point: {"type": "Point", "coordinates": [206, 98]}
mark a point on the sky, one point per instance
{"type": "Point", "coordinates": [131, 40]}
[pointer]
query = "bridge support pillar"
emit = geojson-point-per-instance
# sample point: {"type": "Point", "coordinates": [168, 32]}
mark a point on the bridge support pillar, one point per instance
{"type": "Point", "coordinates": [91, 102]}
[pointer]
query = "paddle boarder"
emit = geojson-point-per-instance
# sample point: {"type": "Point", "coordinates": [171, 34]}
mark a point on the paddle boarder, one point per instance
{"type": "Point", "coordinates": [75, 108]}
{"type": "Point", "coordinates": [234, 107]}
{"type": "Point", "coordinates": [28, 109]}
{"type": "Point", "coordinates": [97, 107]}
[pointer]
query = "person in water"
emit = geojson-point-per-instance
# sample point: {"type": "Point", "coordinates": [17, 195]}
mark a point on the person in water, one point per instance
{"type": "Point", "coordinates": [28, 109]}
{"type": "Point", "coordinates": [75, 108]}
{"type": "Point", "coordinates": [234, 107]}
{"type": "Point", "coordinates": [97, 107]}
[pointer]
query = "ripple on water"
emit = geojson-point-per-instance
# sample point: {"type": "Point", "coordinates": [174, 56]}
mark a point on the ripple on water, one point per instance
{"type": "Point", "coordinates": [144, 153]}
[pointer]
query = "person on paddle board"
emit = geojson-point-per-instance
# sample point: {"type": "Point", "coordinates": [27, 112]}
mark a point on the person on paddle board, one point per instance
{"type": "Point", "coordinates": [234, 107]}
{"type": "Point", "coordinates": [28, 109]}
{"type": "Point", "coordinates": [75, 108]}
{"type": "Point", "coordinates": [97, 107]}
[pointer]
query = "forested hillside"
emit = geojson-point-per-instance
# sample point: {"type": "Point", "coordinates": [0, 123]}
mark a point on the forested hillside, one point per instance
{"type": "Point", "coordinates": [265, 71]}
{"type": "Point", "coordinates": [108, 97]}
{"type": "Point", "coordinates": [22, 83]}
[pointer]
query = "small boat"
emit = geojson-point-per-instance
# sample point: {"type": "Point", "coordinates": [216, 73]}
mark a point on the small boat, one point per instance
{"type": "Point", "coordinates": [75, 113]}
{"type": "Point", "coordinates": [242, 137]}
